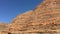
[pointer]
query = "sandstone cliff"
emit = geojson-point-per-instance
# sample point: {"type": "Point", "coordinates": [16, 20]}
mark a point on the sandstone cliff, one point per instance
{"type": "Point", "coordinates": [44, 18]}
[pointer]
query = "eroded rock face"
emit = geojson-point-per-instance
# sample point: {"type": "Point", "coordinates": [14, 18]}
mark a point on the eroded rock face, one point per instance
{"type": "Point", "coordinates": [48, 11]}
{"type": "Point", "coordinates": [22, 21]}
{"type": "Point", "coordinates": [45, 17]}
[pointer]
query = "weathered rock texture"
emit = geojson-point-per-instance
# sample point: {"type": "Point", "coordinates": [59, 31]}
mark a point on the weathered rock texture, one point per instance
{"type": "Point", "coordinates": [44, 18]}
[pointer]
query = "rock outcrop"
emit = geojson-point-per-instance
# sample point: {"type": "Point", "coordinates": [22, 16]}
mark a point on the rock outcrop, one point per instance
{"type": "Point", "coordinates": [44, 18]}
{"type": "Point", "coordinates": [3, 28]}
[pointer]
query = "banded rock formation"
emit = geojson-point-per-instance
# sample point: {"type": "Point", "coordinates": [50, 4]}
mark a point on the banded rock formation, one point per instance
{"type": "Point", "coordinates": [45, 17]}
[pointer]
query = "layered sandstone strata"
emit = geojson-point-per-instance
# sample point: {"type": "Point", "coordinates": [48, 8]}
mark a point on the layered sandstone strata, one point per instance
{"type": "Point", "coordinates": [45, 19]}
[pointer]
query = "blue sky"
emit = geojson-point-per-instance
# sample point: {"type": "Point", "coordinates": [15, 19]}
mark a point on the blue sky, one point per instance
{"type": "Point", "coordinates": [9, 9]}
